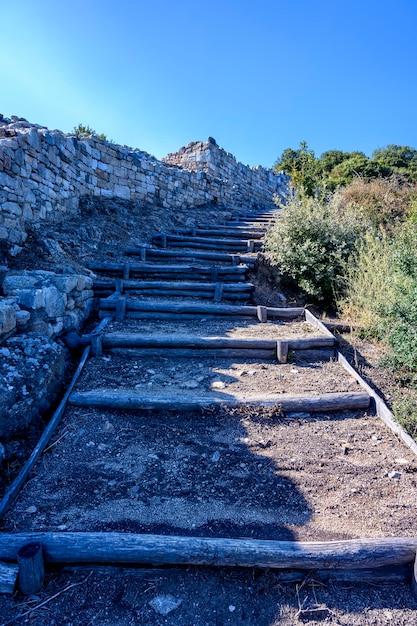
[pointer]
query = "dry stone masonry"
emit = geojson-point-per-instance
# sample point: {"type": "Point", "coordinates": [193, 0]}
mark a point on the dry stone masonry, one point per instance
{"type": "Point", "coordinates": [44, 173]}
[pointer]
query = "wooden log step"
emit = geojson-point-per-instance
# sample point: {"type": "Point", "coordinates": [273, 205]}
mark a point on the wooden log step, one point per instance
{"type": "Point", "coordinates": [209, 243]}
{"type": "Point", "coordinates": [147, 253]}
{"type": "Point", "coordinates": [186, 293]}
{"type": "Point", "coordinates": [8, 577]}
{"type": "Point", "coordinates": [230, 290]}
{"type": "Point", "coordinates": [226, 231]}
{"type": "Point", "coordinates": [196, 308]}
{"type": "Point", "coordinates": [104, 398]}
{"type": "Point", "coordinates": [168, 342]}
{"type": "Point", "coordinates": [176, 272]}
{"type": "Point", "coordinates": [136, 549]}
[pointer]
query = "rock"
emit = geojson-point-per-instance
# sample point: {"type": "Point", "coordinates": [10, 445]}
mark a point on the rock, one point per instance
{"type": "Point", "coordinates": [189, 384]}
{"type": "Point", "coordinates": [165, 604]}
{"type": "Point", "coordinates": [22, 317]}
{"type": "Point", "coordinates": [394, 474]}
{"type": "Point", "coordinates": [31, 509]}
{"type": "Point", "coordinates": [216, 457]}
{"type": "Point", "coordinates": [218, 384]}
{"type": "Point", "coordinates": [2, 453]}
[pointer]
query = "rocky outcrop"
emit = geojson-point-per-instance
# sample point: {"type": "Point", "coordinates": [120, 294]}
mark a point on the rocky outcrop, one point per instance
{"type": "Point", "coordinates": [32, 368]}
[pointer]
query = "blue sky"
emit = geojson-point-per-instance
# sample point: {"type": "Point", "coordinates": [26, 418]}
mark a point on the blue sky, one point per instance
{"type": "Point", "coordinates": [257, 76]}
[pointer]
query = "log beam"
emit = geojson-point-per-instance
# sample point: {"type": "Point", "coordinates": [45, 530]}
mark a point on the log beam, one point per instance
{"type": "Point", "coordinates": [135, 549]}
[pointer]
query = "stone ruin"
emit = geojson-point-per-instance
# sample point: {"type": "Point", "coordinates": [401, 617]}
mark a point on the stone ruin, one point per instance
{"type": "Point", "coordinates": [45, 175]}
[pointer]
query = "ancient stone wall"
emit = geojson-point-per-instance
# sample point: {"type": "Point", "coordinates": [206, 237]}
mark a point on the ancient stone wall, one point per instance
{"type": "Point", "coordinates": [44, 173]}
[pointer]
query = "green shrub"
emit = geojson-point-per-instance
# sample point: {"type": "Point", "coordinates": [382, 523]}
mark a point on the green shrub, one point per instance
{"type": "Point", "coordinates": [405, 412]}
{"type": "Point", "coordinates": [383, 202]}
{"type": "Point", "coordinates": [311, 243]}
{"type": "Point", "coordinates": [381, 292]}
{"type": "Point", "coordinates": [87, 130]}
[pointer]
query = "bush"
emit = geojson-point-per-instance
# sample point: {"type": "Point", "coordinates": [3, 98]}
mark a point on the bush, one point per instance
{"type": "Point", "coordinates": [382, 292]}
{"type": "Point", "coordinates": [405, 412]}
{"type": "Point", "coordinates": [384, 202]}
{"type": "Point", "coordinates": [87, 130]}
{"type": "Point", "coordinates": [311, 243]}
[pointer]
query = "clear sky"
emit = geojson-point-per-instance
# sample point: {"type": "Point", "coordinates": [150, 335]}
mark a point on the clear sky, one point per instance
{"type": "Point", "coordinates": [258, 76]}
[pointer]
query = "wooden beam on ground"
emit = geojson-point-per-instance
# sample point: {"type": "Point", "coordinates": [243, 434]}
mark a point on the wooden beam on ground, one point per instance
{"type": "Point", "coordinates": [137, 340]}
{"type": "Point", "coordinates": [147, 253]}
{"type": "Point", "coordinates": [381, 408]}
{"type": "Point", "coordinates": [176, 272]}
{"type": "Point", "coordinates": [196, 308]}
{"type": "Point", "coordinates": [136, 549]}
{"type": "Point", "coordinates": [225, 231]}
{"type": "Point", "coordinates": [208, 243]}
{"type": "Point", "coordinates": [166, 285]}
{"type": "Point", "coordinates": [8, 577]}
{"type": "Point", "coordinates": [132, 400]}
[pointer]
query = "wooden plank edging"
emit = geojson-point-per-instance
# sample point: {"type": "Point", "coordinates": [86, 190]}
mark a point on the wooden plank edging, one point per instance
{"type": "Point", "coordinates": [381, 408]}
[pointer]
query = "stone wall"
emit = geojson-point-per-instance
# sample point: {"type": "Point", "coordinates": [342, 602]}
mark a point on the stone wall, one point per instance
{"type": "Point", "coordinates": [231, 182]}
{"type": "Point", "coordinates": [44, 302]}
{"type": "Point", "coordinates": [44, 173]}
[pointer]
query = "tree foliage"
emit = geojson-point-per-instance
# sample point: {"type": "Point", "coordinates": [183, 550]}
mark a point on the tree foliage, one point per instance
{"type": "Point", "coordinates": [312, 175]}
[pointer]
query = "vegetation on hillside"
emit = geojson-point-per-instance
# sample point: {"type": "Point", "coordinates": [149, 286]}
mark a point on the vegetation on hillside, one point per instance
{"type": "Point", "coordinates": [347, 237]}
{"type": "Point", "coordinates": [81, 129]}
{"type": "Point", "coordinates": [336, 168]}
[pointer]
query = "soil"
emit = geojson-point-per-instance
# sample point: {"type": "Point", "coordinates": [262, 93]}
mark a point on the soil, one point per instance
{"type": "Point", "coordinates": [253, 473]}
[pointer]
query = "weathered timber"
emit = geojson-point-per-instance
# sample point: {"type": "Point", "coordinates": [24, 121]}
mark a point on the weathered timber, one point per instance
{"type": "Point", "coordinates": [8, 577]}
{"type": "Point", "coordinates": [314, 321]}
{"type": "Point", "coordinates": [206, 309]}
{"type": "Point", "coordinates": [132, 400]}
{"type": "Point", "coordinates": [137, 340]}
{"type": "Point", "coordinates": [209, 243]}
{"type": "Point", "coordinates": [390, 573]}
{"type": "Point", "coordinates": [18, 482]}
{"type": "Point", "coordinates": [179, 353]}
{"type": "Point", "coordinates": [226, 231]}
{"type": "Point", "coordinates": [135, 549]}
{"type": "Point", "coordinates": [146, 252]}
{"type": "Point", "coordinates": [176, 272]}
{"type": "Point", "coordinates": [162, 285]}
{"type": "Point", "coordinates": [381, 408]}
{"type": "Point", "coordinates": [282, 350]}
{"type": "Point", "coordinates": [31, 568]}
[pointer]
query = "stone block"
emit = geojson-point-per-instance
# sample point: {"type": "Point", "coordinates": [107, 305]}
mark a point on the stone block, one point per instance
{"type": "Point", "coordinates": [55, 302]}
{"type": "Point", "coordinates": [32, 299]}
{"type": "Point", "coordinates": [7, 317]}
{"type": "Point", "coordinates": [22, 317]}
{"type": "Point", "coordinates": [12, 207]}
{"type": "Point", "coordinates": [65, 284]}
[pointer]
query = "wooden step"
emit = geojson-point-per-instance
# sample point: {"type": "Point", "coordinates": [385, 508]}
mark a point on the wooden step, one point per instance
{"type": "Point", "coordinates": [109, 399]}
{"type": "Point", "coordinates": [174, 272]}
{"type": "Point", "coordinates": [208, 243]}
{"type": "Point", "coordinates": [147, 253]}
{"type": "Point", "coordinates": [217, 291]}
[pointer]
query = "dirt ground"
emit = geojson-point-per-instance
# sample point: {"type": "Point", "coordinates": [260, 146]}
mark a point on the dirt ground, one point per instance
{"type": "Point", "coordinates": [252, 473]}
